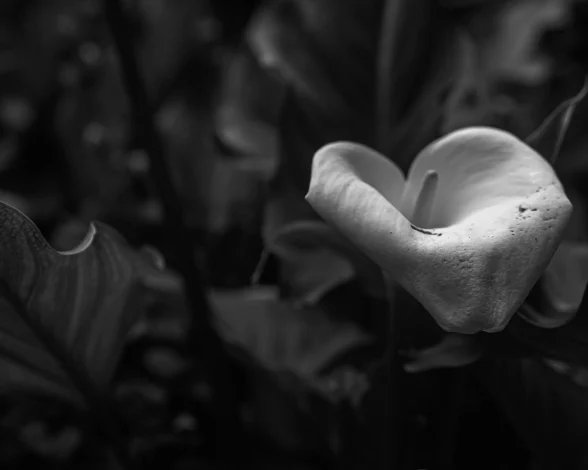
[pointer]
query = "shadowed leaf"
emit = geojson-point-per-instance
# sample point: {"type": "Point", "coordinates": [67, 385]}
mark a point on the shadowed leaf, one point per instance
{"type": "Point", "coordinates": [280, 337]}
{"type": "Point", "coordinates": [547, 409]}
{"type": "Point", "coordinates": [325, 259]}
{"type": "Point", "coordinates": [247, 115]}
{"type": "Point", "coordinates": [338, 60]}
{"type": "Point", "coordinates": [548, 138]}
{"type": "Point", "coordinates": [454, 350]}
{"type": "Point", "coordinates": [64, 316]}
{"type": "Point", "coordinates": [310, 275]}
{"type": "Point", "coordinates": [564, 281]}
{"type": "Point", "coordinates": [521, 338]}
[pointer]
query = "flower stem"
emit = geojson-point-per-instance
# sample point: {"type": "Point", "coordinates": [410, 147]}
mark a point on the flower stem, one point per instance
{"type": "Point", "coordinates": [230, 440]}
{"type": "Point", "coordinates": [424, 204]}
{"type": "Point", "coordinates": [387, 54]}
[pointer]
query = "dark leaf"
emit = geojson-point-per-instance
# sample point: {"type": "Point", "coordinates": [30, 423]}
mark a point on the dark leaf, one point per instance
{"type": "Point", "coordinates": [328, 53]}
{"type": "Point", "coordinates": [319, 259]}
{"type": "Point", "coordinates": [564, 281]}
{"type": "Point", "coordinates": [309, 276]}
{"type": "Point", "coordinates": [58, 446]}
{"type": "Point", "coordinates": [524, 339]}
{"type": "Point", "coordinates": [454, 350]}
{"type": "Point", "coordinates": [247, 116]}
{"type": "Point", "coordinates": [280, 337]}
{"type": "Point", "coordinates": [65, 315]}
{"type": "Point", "coordinates": [330, 57]}
{"type": "Point", "coordinates": [171, 33]}
{"type": "Point", "coordinates": [548, 138]}
{"type": "Point", "coordinates": [547, 409]}
{"type": "Point", "coordinates": [509, 34]}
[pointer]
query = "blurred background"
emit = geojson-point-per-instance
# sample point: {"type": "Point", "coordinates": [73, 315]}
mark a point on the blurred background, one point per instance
{"type": "Point", "coordinates": [240, 95]}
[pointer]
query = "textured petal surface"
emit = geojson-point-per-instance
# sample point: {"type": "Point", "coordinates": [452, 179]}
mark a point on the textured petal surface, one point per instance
{"type": "Point", "coordinates": [478, 167]}
{"type": "Point", "coordinates": [501, 212]}
{"type": "Point", "coordinates": [353, 188]}
{"type": "Point", "coordinates": [497, 216]}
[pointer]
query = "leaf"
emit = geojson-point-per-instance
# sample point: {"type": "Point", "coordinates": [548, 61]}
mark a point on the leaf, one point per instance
{"type": "Point", "coordinates": [327, 53]}
{"type": "Point", "coordinates": [346, 69]}
{"type": "Point", "coordinates": [247, 115]}
{"type": "Point", "coordinates": [521, 338]}
{"type": "Point", "coordinates": [64, 316]}
{"type": "Point", "coordinates": [454, 350]}
{"type": "Point", "coordinates": [309, 276]}
{"type": "Point", "coordinates": [58, 445]}
{"type": "Point", "coordinates": [547, 409]}
{"type": "Point", "coordinates": [169, 37]}
{"type": "Point", "coordinates": [548, 138]}
{"type": "Point", "coordinates": [510, 39]}
{"type": "Point", "coordinates": [322, 259]}
{"type": "Point", "coordinates": [564, 281]}
{"type": "Point", "coordinates": [280, 337]}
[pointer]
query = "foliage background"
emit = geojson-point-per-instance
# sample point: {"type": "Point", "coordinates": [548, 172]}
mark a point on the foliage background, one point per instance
{"type": "Point", "coordinates": [242, 94]}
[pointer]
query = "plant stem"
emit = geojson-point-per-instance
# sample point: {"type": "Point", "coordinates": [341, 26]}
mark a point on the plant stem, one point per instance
{"type": "Point", "coordinates": [387, 50]}
{"type": "Point", "coordinates": [447, 423]}
{"type": "Point", "coordinates": [564, 113]}
{"type": "Point", "coordinates": [229, 439]}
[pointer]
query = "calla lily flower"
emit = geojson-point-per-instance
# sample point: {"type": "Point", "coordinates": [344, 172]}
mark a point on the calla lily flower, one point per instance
{"type": "Point", "coordinates": [468, 232]}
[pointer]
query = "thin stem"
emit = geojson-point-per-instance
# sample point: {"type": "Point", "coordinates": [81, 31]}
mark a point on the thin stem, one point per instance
{"type": "Point", "coordinates": [229, 438]}
{"type": "Point", "coordinates": [384, 122]}
{"type": "Point", "coordinates": [424, 203]}
{"type": "Point", "coordinates": [387, 50]}
{"type": "Point", "coordinates": [567, 107]}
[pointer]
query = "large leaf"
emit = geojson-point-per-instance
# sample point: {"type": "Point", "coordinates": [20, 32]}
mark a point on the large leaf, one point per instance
{"type": "Point", "coordinates": [547, 409]}
{"type": "Point", "coordinates": [280, 337]}
{"type": "Point", "coordinates": [64, 315]}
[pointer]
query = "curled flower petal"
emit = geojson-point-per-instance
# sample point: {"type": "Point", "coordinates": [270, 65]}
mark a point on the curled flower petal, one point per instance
{"type": "Point", "coordinates": [496, 217]}
{"type": "Point", "coordinates": [478, 168]}
{"type": "Point", "coordinates": [355, 189]}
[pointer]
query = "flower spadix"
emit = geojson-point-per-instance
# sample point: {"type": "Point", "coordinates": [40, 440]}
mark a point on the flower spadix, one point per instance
{"type": "Point", "coordinates": [468, 232]}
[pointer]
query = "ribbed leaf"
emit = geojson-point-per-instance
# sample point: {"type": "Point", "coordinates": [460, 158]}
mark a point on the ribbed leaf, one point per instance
{"type": "Point", "coordinates": [64, 315]}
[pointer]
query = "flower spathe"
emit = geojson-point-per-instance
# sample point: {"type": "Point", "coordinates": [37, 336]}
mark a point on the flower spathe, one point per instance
{"type": "Point", "coordinates": [468, 232]}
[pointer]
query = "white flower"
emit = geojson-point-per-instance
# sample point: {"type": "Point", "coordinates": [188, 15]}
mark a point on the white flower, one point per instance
{"type": "Point", "coordinates": [467, 233]}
